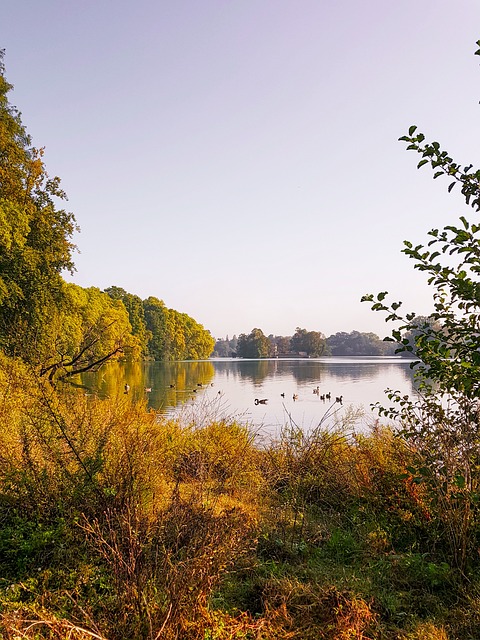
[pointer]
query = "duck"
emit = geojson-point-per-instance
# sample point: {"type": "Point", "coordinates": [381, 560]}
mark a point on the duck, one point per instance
{"type": "Point", "coordinates": [339, 399]}
{"type": "Point", "coordinates": [328, 396]}
{"type": "Point", "coordinates": [148, 389]}
{"type": "Point", "coordinates": [295, 396]}
{"type": "Point", "coordinates": [264, 401]}
{"type": "Point", "coordinates": [283, 395]}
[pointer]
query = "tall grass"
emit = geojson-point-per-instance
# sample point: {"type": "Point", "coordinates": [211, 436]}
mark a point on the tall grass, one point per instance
{"type": "Point", "coordinates": [116, 524]}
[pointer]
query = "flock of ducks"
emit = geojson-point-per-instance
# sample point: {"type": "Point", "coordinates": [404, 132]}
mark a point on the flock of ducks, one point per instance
{"type": "Point", "coordinates": [316, 391]}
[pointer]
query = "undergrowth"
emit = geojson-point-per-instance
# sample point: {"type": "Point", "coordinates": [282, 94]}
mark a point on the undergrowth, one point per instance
{"type": "Point", "coordinates": [115, 525]}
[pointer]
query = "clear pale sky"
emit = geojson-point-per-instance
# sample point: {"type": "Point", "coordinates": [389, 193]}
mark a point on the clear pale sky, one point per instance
{"type": "Point", "coordinates": [240, 160]}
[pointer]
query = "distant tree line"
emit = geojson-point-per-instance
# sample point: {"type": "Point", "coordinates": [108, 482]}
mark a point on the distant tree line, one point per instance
{"type": "Point", "coordinates": [303, 343]}
{"type": "Point", "coordinates": [357, 343]}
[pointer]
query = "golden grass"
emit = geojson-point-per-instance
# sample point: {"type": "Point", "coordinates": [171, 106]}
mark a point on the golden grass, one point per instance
{"type": "Point", "coordinates": [160, 512]}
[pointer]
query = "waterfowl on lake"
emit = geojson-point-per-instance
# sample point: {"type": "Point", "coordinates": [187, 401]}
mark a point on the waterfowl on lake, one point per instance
{"type": "Point", "coordinates": [295, 396]}
{"type": "Point", "coordinates": [148, 389]}
{"type": "Point", "coordinates": [172, 386]}
{"type": "Point", "coordinates": [283, 395]}
{"type": "Point", "coordinates": [328, 396]}
{"type": "Point", "coordinates": [264, 401]}
{"type": "Point", "coordinates": [339, 399]}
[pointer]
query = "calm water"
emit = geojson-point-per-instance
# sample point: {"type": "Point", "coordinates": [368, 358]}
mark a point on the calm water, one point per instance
{"type": "Point", "coordinates": [230, 387]}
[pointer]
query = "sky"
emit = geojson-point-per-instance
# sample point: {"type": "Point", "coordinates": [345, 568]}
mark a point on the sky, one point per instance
{"type": "Point", "coordinates": [240, 159]}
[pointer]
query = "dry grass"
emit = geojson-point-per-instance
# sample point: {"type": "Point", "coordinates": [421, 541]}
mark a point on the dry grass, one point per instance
{"type": "Point", "coordinates": [125, 526]}
{"type": "Point", "coordinates": [19, 626]}
{"type": "Point", "coordinates": [316, 612]}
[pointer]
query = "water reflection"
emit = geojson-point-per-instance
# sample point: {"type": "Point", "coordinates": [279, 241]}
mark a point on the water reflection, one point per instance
{"type": "Point", "coordinates": [309, 370]}
{"type": "Point", "coordinates": [170, 385]}
{"type": "Point", "coordinates": [164, 384]}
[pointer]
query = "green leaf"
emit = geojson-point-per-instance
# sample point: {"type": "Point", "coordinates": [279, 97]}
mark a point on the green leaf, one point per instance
{"type": "Point", "coordinates": [412, 130]}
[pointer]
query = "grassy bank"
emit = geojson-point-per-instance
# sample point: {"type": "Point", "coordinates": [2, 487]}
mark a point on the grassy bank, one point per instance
{"type": "Point", "coordinates": [114, 525]}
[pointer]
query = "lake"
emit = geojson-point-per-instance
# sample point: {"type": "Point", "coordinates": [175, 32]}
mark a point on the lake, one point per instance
{"type": "Point", "coordinates": [229, 387]}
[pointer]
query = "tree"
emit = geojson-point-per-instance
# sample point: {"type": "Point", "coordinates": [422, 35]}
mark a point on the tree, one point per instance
{"type": "Point", "coordinates": [136, 314]}
{"type": "Point", "coordinates": [35, 237]}
{"type": "Point", "coordinates": [312, 343]}
{"type": "Point", "coordinates": [199, 343]}
{"type": "Point", "coordinates": [86, 332]}
{"type": "Point", "coordinates": [444, 423]}
{"type": "Point", "coordinates": [156, 321]}
{"type": "Point", "coordinates": [175, 335]}
{"type": "Point", "coordinates": [255, 345]}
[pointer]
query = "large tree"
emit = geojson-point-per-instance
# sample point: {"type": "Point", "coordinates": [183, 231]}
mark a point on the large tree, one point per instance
{"type": "Point", "coordinates": [156, 321]}
{"type": "Point", "coordinates": [136, 313]}
{"type": "Point", "coordinates": [85, 333]}
{"type": "Point", "coordinates": [35, 236]}
{"type": "Point", "coordinates": [174, 335]}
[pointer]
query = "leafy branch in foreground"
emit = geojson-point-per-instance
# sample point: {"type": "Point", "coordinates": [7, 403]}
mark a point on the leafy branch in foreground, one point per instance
{"type": "Point", "coordinates": [443, 424]}
{"type": "Point", "coordinates": [447, 343]}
